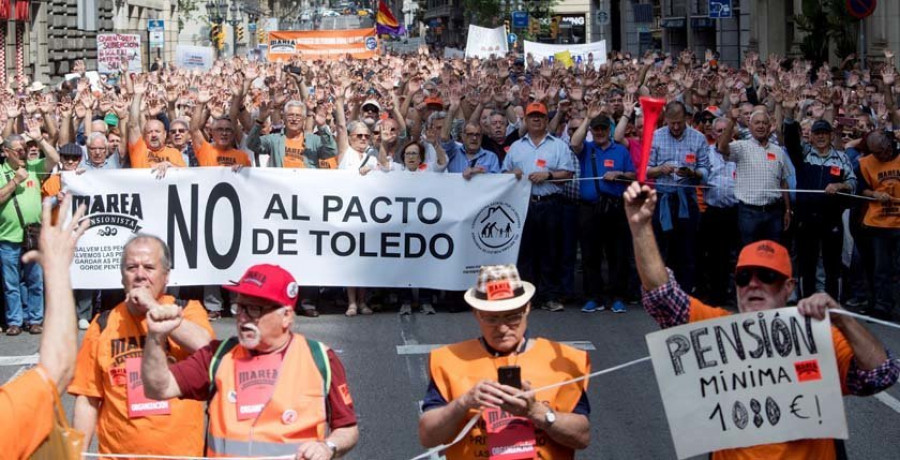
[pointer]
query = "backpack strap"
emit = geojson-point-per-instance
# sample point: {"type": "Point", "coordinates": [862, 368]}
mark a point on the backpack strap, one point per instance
{"type": "Point", "coordinates": [320, 356]}
{"type": "Point", "coordinates": [103, 319]}
{"type": "Point", "coordinates": [224, 348]}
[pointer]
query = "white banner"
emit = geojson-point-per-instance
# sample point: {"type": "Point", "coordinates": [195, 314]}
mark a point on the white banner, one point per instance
{"type": "Point", "coordinates": [454, 53]}
{"type": "Point", "coordinates": [541, 51]}
{"type": "Point", "coordinates": [112, 49]}
{"type": "Point", "coordinates": [749, 379]}
{"type": "Point", "coordinates": [483, 42]}
{"type": "Point", "coordinates": [194, 57]}
{"type": "Point", "coordinates": [328, 228]}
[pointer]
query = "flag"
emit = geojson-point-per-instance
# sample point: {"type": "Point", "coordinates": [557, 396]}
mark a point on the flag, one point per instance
{"type": "Point", "coordinates": [385, 22]}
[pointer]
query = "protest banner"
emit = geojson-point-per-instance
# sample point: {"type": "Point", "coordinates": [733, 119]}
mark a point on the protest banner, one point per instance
{"type": "Point", "coordinates": [578, 53]}
{"type": "Point", "coordinates": [194, 57]}
{"type": "Point", "coordinates": [322, 44]}
{"type": "Point", "coordinates": [454, 53]}
{"type": "Point", "coordinates": [749, 379]}
{"type": "Point", "coordinates": [483, 42]}
{"type": "Point", "coordinates": [395, 230]}
{"type": "Point", "coordinates": [112, 49]}
{"type": "Point", "coordinates": [405, 46]}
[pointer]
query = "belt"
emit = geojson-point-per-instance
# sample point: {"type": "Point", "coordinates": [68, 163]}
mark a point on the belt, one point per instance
{"type": "Point", "coordinates": [775, 205]}
{"type": "Point", "coordinates": [539, 198]}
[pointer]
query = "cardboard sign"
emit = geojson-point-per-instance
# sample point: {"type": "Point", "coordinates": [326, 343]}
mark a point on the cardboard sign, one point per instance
{"type": "Point", "coordinates": [596, 51]}
{"type": "Point", "coordinates": [194, 57]}
{"type": "Point", "coordinates": [255, 380]}
{"type": "Point", "coordinates": [112, 49]}
{"type": "Point", "coordinates": [139, 405]}
{"type": "Point", "coordinates": [509, 437]}
{"type": "Point", "coordinates": [748, 379]}
{"type": "Point", "coordinates": [565, 57]}
{"type": "Point", "coordinates": [483, 42]}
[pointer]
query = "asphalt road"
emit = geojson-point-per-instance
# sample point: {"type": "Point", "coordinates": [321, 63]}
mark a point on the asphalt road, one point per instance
{"type": "Point", "coordinates": [627, 418]}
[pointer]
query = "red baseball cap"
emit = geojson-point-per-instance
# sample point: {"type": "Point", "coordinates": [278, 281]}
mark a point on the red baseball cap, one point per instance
{"type": "Point", "coordinates": [766, 254]}
{"type": "Point", "coordinates": [536, 107]}
{"type": "Point", "coordinates": [269, 282]}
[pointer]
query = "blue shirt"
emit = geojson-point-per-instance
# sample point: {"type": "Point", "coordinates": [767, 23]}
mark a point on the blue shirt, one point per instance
{"type": "Point", "coordinates": [458, 161]}
{"type": "Point", "coordinates": [688, 151]}
{"type": "Point", "coordinates": [551, 155]}
{"type": "Point", "coordinates": [721, 181]}
{"type": "Point", "coordinates": [614, 157]}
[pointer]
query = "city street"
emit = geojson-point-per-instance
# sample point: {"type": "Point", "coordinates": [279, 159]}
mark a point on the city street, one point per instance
{"type": "Point", "coordinates": [385, 356]}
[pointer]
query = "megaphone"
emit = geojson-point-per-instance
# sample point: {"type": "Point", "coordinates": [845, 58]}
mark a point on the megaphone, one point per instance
{"type": "Point", "coordinates": [652, 108]}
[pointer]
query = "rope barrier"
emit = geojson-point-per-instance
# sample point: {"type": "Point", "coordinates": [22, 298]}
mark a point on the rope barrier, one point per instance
{"type": "Point", "coordinates": [865, 318]}
{"type": "Point", "coordinates": [473, 420]}
{"type": "Point", "coordinates": [177, 457]}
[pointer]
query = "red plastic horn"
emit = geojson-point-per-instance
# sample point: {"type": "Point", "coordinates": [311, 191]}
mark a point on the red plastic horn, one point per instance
{"type": "Point", "coordinates": [652, 108]}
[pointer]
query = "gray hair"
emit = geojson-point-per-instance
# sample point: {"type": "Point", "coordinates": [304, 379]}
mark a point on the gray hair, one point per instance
{"type": "Point", "coordinates": [292, 104]}
{"type": "Point", "coordinates": [757, 113]}
{"type": "Point", "coordinates": [8, 142]}
{"type": "Point", "coordinates": [435, 116]}
{"type": "Point", "coordinates": [356, 124]}
{"type": "Point", "coordinates": [94, 136]}
{"type": "Point", "coordinates": [166, 254]}
{"type": "Point", "coordinates": [720, 120]}
{"type": "Point", "coordinates": [181, 121]}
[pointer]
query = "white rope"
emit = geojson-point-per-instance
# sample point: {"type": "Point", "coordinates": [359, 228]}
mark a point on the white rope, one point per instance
{"type": "Point", "coordinates": [178, 457]}
{"type": "Point", "coordinates": [473, 420]}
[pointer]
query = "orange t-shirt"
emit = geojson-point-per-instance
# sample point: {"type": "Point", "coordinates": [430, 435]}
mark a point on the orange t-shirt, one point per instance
{"type": "Point", "coordinates": [142, 157]}
{"type": "Point", "coordinates": [27, 407]}
{"type": "Point", "coordinates": [100, 373]}
{"type": "Point", "coordinates": [294, 156]}
{"type": "Point", "coordinates": [207, 155]}
{"type": "Point", "coordinates": [51, 187]}
{"type": "Point", "coordinates": [819, 449]}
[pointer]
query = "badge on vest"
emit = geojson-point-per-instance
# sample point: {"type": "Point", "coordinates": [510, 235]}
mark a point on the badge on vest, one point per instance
{"type": "Point", "coordinates": [609, 163]}
{"type": "Point", "coordinates": [771, 156]}
{"type": "Point", "coordinates": [541, 163]}
{"type": "Point", "coordinates": [509, 437]}
{"type": "Point", "coordinates": [139, 405]}
{"type": "Point", "coordinates": [690, 158]}
{"type": "Point", "coordinates": [836, 171]}
{"type": "Point", "coordinates": [255, 378]}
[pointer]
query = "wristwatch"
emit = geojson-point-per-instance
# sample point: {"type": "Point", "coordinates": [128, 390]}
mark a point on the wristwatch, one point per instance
{"type": "Point", "coordinates": [550, 416]}
{"type": "Point", "coordinates": [333, 448]}
{"type": "Point", "coordinates": [549, 175]}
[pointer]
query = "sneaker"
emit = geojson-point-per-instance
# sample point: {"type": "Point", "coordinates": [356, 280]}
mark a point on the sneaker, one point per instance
{"type": "Point", "coordinates": [13, 330]}
{"type": "Point", "coordinates": [619, 307]}
{"type": "Point", "coordinates": [83, 324]}
{"type": "Point", "coordinates": [35, 329]}
{"type": "Point", "coordinates": [552, 305]}
{"type": "Point", "coordinates": [428, 309]}
{"type": "Point", "coordinates": [406, 309]}
{"type": "Point", "coordinates": [591, 307]}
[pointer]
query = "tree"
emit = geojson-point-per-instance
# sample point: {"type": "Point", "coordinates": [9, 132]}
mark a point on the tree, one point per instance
{"type": "Point", "coordinates": [825, 21]}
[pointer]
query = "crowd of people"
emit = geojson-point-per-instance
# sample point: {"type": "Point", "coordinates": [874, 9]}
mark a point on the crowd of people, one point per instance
{"type": "Point", "coordinates": [771, 155]}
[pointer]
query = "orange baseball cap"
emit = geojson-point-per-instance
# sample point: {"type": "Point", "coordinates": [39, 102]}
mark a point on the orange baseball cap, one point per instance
{"type": "Point", "coordinates": [536, 107]}
{"type": "Point", "coordinates": [766, 254]}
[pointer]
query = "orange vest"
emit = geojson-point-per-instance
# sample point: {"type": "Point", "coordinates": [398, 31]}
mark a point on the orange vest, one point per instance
{"type": "Point", "coordinates": [457, 368]}
{"type": "Point", "coordinates": [882, 177]}
{"type": "Point", "coordinates": [295, 414]}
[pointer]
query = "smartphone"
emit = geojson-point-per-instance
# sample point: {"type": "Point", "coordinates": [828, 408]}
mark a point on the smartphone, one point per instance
{"type": "Point", "coordinates": [293, 69]}
{"type": "Point", "coordinates": [510, 376]}
{"type": "Point", "coordinates": [846, 121]}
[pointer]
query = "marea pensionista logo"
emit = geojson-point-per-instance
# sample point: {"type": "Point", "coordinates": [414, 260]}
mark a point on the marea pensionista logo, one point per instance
{"type": "Point", "coordinates": [122, 210]}
{"type": "Point", "coordinates": [496, 228]}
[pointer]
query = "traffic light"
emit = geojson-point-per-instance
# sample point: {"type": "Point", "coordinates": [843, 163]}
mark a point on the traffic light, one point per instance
{"type": "Point", "coordinates": [534, 26]}
{"type": "Point", "coordinates": [214, 33]}
{"type": "Point", "coordinates": [240, 33]}
{"type": "Point", "coordinates": [261, 36]}
{"type": "Point", "coordinates": [221, 38]}
{"type": "Point", "coordinates": [554, 27]}
{"type": "Point", "coordinates": [506, 26]}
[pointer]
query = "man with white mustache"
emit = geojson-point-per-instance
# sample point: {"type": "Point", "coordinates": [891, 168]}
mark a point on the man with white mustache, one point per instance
{"type": "Point", "coordinates": [264, 397]}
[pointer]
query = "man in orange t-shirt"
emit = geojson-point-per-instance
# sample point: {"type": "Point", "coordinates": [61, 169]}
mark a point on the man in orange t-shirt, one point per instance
{"type": "Point", "coordinates": [27, 401]}
{"type": "Point", "coordinates": [108, 398]}
{"type": "Point", "coordinates": [147, 142]}
{"type": "Point", "coordinates": [221, 152]}
{"type": "Point", "coordinates": [763, 281]}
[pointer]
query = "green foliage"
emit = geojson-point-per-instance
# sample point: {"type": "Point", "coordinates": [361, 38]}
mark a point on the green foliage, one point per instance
{"type": "Point", "coordinates": [483, 12]}
{"type": "Point", "coordinates": [825, 21]}
{"type": "Point", "coordinates": [186, 10]}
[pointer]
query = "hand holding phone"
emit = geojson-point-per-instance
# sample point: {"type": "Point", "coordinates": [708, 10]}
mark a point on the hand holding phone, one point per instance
{"type": "Point", "coordinates": [510, 376]}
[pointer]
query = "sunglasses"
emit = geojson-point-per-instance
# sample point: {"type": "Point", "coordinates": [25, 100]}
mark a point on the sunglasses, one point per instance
{"type": "Point", "coordinates": [764, 275]}
{"type": "Point", "coordinates": [362, 136]}
{"type": "Point", "coordinates": [509, 320]}
{"type": "Point", "coordinates": [253, 311]}
{"type": "Point", "coordinates": [70, 158]}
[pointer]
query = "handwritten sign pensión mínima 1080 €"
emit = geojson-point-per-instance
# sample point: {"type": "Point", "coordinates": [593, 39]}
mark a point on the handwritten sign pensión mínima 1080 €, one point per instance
{"type": "Point", "coordinates": [748, 379]}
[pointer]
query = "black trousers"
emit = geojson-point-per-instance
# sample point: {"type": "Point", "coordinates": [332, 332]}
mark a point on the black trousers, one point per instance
{"type": "Point", "coordinates": [604, 236]}
{"type": "Point", "coordinates": [718, 245]}
{"type": "Point", "coordinates": [540, 253]}
{"type": "Point", "coordinates": [815, 236]}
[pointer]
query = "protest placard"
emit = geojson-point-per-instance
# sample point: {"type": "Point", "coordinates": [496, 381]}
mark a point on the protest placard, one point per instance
{"type": "Point", "coordinates": [579, 53]}
{"type": "Point", "coordinates": [392, 230]}
{"type": "Point", "coordinates": [483, 42]}
{"type": "Point", "coordinates": [322, 44]}
{"type": "Point", "coordinates": [112, 49]}
{"type": "Point", "coordinates": [748, 379]}
{"type": "Point", "coordinates": [194, 57]}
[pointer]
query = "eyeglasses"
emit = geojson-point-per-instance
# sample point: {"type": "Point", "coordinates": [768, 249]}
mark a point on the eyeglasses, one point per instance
{"type": "Point", "coordinates": [97, 149]}
{"type": "Point", "coordinates": [70, 158]}
{"type": "Point", "coordinates": [178, 131]}
{"type": "Point", "coordinates": [509, 320]}
{"type": "Point", "coordinates": [362, 136]}
{"type": "Point", "coordinates": [252, 311]}
{"type": "Point", "coordinates": [293, 117]}
{"type": "Point", "coordinates": [377, 133]}
{"type": "Point", "coordinates": [764, 275]}
{"type": "Point", "coordinates": [411, 153]}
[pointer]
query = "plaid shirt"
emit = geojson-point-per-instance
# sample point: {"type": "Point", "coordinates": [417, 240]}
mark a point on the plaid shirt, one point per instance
{"type": "Point", "coordinates": [572, 188]}
{"type": "Point", "coordinates": [758, 168]}
{"type": "Point", "coordinates": [670, 306]}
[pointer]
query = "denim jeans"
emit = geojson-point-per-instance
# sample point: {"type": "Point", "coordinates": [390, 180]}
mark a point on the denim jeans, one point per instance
{"type": "Point", "coordinates": [760, 223]}
{"type": "Point", "coordinates": [570, 246]}
{"type": "Point", "coordinates": [23, 286]}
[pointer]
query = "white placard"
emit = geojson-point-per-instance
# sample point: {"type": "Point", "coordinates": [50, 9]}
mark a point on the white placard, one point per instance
{"type": "Point", "coordinates": [194, 57]}
{"type": "Point", "coordinates": [748, 379]}
{"type": "Point", "coordinates": [541, 51]}
{"type": "Point", "coordinates": [328, 228]}
{"type": "Point", "coordinates": [454, 53]}
{"type": "Point", "coordinates": [112, 49]}
{"type": "Point", "coordinates": [483, 42]}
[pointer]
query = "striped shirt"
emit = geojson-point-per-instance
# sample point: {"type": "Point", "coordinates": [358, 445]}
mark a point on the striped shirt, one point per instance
{"type": "Point", "coordinates": [551, 155]}
{"type": "Point", "coordinates": [721, 181]}
{"type": "Point", "coordinates": [758, 168]}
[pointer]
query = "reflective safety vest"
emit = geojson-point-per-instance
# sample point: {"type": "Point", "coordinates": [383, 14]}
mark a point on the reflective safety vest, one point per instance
{"type": "Point", "coordinates": [296, 413]}
{"type": "Point", "coordinates": [457, 368]}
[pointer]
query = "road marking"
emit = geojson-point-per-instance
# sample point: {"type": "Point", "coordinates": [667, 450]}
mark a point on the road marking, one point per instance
{"type": "Point", "coordinates": [18, 360]}
{"type": "Point", "coordinates": [425, 348]}
{"type": "Point", "coordinates": [889, 401]}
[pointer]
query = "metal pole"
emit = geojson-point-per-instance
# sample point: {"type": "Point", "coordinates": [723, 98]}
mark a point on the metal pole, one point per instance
{"type": "Point", "coordinates": [687, 24]}
{"type": "Point", "coordinates": [20, 56]}
{"type": "Point", "coordinates": [862, 43]}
